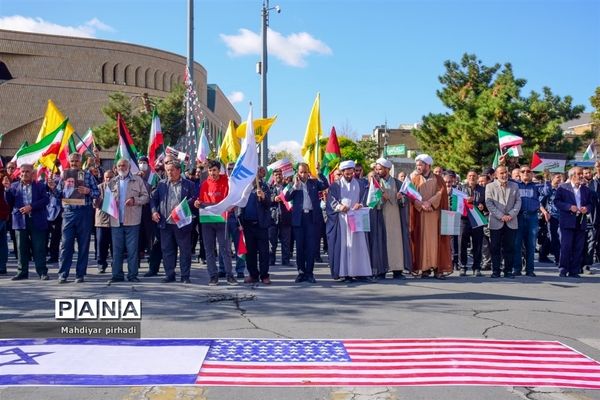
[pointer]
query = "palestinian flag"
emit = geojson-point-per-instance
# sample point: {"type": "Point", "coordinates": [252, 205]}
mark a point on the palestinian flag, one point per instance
{"type": "Point", "coordinates": [287, 204]}
{"type": "Point", "coordinates": [49, 144]}
{"type": "Point", "coordinates": [458, 202]}
{"type": "Point", "coordinates": [181, 215]}
{"type": "Point", "coordinates": [553, 162]}
{"type": "Point", "coordinates": [153, 178]}
{"type": "Point", "coordinates": [332, 153]}
{"type": "Point", "coordinates": [590, 152]}
{"type": "Point", "coordinates": [476, 217]}
{"type": "Point", "coordinates": [515, 151]}
{"type": "Point", "coordinates": [126, 147]}
{"type": "Point", "coordinates": [241, 247]}
{"type": "Point", "coordinates": [109, 204]}
{"type": "Point", "coordinates": [507, 139]}
{"type": "Point", "coordinates": [213, 218]}
{"type": "Point", "coordinates": [410, 190]}
{"type": "Point", "coordinates": [375, 193]}
{"type": "Point", "coordinates": [155, 142]}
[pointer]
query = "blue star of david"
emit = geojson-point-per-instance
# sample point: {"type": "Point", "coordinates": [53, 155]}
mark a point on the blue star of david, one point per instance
{"type": "Point", "coordinates": [23, 358]}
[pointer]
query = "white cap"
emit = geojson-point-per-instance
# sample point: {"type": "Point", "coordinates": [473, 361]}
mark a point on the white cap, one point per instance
{"type": "Point", "coordinates": [426, 158]}
{"type": "Point", "coordinates": [347, 164]}
{"type": "Point", "coordinates": [384, 163]}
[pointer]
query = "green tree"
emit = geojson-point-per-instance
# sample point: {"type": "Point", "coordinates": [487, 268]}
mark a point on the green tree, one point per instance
{"type": "Point", "coordinates": [482, 99]}
{"type": "Point", "coordinates": [595, 101]}
{"type": "Point", "coordinates": [170, 110]}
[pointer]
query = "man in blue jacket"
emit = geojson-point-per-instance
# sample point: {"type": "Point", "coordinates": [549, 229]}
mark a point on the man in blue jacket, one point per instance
{"type": "Point", "coordinates": [574, 201]}
{"type": "Point", "coordinates": [28, 200]}
{"type": "Point", "coordinates": [305, 212]}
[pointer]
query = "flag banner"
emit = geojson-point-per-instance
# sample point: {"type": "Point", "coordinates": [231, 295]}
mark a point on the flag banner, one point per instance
{"type": "Point", "coordinates": [109, 204]}
{"type": "Point", "coordinates": [409, 189]}
{"type": "Point", "coordinates": [496, 160]}
{"type": "Point", "coordinates": [181, 156]}
{"type": "Point", "coordinates": [375, 193]}
{"type": "Point", "coordinates": [515, 151]}
{"type": "Point", "coordinates": [295, 362]}
{"type": "Point", "coordinates": [203, 146]}
{"type": "Point", "coordinates": [477, 218]}
{"type": "Point", "coordinates": [507, 139]}
{"type": "Point", "coordinates": [86, 143]}
{"type": "Point", "coordinates": [261, 127]}
{"type": "Point", "coordinates": [241, 248]}
{"type": "Point", "coordinates": [590, 152]}
{"type": "Point", "coordinates": [553, 162]}
{"type": "Point", "coordinates": [359, 220]}
{"type": "Point", "coordinates": [230, 148]}
{"type": "Point", "coordinates": [156, 146]}
{"type": "Point", "coordinates": [153, 178]}
{"type": "Point", "coordinates": [49, 144]}
{"type": "Point", "coordinates": [181, 215]}
{"type": "Point", "coordinates": [397, 362]}
{"type": "Point", "coordinates": [126, 149]}
{"type": "Point", "coordinates": [332, 155]}
{"type": "Point", "coordinates": [458, 202]}
{"type": "Point", "coordinates": [52, 119]}
{"type": "Point", "coordinates": [242, 177]}
{"type": "Point", "coordinates": [101, 362]}
{"type": "Point", "coordinates": [450, 223]}
{"type": "Point", "coordinates": [281, 196]}
{"type": "Point", "coordinates": [310, 144]}
{"type": "Point", "coordinates": [210, 218]}
{"type": "Point", "coordinates": [285, 165]}
{"type": "Point", "coordinates": [188, 143]}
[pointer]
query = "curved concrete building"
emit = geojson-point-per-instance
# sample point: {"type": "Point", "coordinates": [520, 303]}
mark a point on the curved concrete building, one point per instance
{"type": "Point", "coordinates": [78, 75]}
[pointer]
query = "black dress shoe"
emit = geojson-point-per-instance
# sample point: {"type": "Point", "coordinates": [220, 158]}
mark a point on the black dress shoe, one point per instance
{"type": "Point", "coordinates": [495, 275]}
{"type": "Point", "coordinates": [510, 276]}
{"type": "Point", "coordinates": [115, 280]}
{"type": "Point", "coordinates": [19, 278]}
{"type": "Point", "coordinates": [311, 279]}
{"type": "Point", "coordinates": [134, 279]}
{"type": "Point", "coordinates": [563, 274]}
{"type": "Point", "coordinates": [531, 274]}
{"type": "Point", "coordinates": [186, 281]}
{"type": "Point", "coordinates": [168, 279]}
{"type": "Point", "coordinates": [300, 278]}
{"type": "Point", "coordinates": [149, 274]}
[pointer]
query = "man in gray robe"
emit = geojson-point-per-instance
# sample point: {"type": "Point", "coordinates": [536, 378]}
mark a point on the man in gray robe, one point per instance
{"type": "Point", "coordinates": [348, 251]}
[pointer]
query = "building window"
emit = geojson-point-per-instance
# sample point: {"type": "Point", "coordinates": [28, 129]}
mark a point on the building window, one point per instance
{"type": "Point", "coordinates": [107, 73]}
{"type": "Point", "coordinates": [5, 74]}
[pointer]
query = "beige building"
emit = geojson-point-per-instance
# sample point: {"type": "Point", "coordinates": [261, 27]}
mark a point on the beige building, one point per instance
{"type": "Point", "coordinates": [400, 144]}
{"type": "Point", "coordinates": [78, 75]}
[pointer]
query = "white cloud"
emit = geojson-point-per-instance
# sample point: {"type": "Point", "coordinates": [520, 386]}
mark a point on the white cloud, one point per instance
{"type": "Point", "coordinates": [288, 145]}
{"type": "Point", "coordinates": [38, 25]}
{"type": "Point", "coordinates": [291, 50]}
{"type": "Point", "coordinates": [235, 97]}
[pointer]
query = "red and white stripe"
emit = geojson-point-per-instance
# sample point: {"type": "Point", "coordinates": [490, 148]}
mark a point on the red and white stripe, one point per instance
{"type": "Point", "coordinates": [421, 362]}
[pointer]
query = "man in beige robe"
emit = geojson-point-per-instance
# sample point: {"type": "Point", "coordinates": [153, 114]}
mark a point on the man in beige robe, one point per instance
{"type": "Point", "coordinates": [431, 251]}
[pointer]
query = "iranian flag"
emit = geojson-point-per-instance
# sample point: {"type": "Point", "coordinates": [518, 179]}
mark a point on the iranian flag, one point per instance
{"type": "Point", "coordinates": [241, 247]}
{"type": "Point", "coordinates": [590, 152]}
{"type": "Point", "coordinates": [287, 204]}
{"type": "Point", "coordinates": [109, 204]}
{"type": "Point", "coordinates": [458, 202]}
{"type": "Point", "coordinates": [49, 144]}
{"type": "Point", "coordinates": [86, 143]}
{"type": "Point", "coordinates": [181, 215]}
{"type": "Point", "coordinates": [203, 146]}
{"type": "Point", "coordinates": [476, 217]}
{"type": "Point", "coordinates": [507, 139]}
{"type": "Point", "coordinates": [155, 141]}
{"type": "Point", "coordinates": [126, 148]}
{"type": "Point", "coordinates": [332, 154]}
{"type": "Point", "coordinates": [375, 193]}
{"type": "Point", "coordinates": [410, 190]}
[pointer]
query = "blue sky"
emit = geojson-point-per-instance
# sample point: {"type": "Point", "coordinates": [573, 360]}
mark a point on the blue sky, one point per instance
{"type": "Point", "coordinates": [371, 61]}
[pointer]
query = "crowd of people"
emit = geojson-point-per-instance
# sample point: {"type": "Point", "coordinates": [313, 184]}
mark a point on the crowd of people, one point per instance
{"type": "Point", "coordinates": [397, 235]}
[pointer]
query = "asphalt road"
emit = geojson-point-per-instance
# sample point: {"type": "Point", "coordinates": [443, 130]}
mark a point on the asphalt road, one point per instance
{"type": "Point", "coordinates": [542, 308]}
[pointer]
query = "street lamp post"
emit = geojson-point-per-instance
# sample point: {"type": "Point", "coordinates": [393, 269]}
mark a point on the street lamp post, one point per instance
{"type": "Point", "coordinates": [264, 147]}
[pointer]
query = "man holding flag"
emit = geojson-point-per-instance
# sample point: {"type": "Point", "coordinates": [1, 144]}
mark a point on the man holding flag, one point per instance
{"type": "Point", "coordinates": [171, 202]}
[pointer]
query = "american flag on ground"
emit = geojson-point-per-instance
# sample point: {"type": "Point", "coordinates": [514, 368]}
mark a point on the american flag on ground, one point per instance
{"type": "Point", "coordinates": [396, 362]}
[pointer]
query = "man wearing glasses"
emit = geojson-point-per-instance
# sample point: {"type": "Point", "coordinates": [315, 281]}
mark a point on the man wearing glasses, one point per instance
{"type": "Point", "coordinates": [528, 222]}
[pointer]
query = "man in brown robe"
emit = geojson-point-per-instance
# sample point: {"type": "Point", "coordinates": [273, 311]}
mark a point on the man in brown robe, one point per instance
{"type": "Point", "coordinates": [431, 251]}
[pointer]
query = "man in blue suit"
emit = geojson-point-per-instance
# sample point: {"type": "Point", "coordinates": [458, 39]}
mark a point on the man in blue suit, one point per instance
{"type": "Point", "coordinates": [28, 200]}
{"type": "Point", "coordinates": [168, 194]}
{"type": "Point", "coordinates": [305, 213]}
{"type": "Point", "coordinates": [573, 201]}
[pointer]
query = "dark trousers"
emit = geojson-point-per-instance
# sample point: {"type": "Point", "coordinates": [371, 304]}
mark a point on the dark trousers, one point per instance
{"type": "Point", "coordinates": [155, 251]}
{"type": "Point", "coordinates": [257, 245]}
{"type": "Point", "coordinates": [305, 245]}
{"type": "Point", "coordinates": [572, 242]}
{"type": "Point", "coordinates": [552, 244]}
{"type": "Point", "coordinates": [173, 238]}
{"type": "Point", "coordinates": [280, 234]}
{"type": "Point", "coordinates": [54, 231]}
{"type": "Point", "coordinates": [475, 235]}
{"type": "Point", "coordinates": [3, 247]}
{"type": "Point", "coordinates": [502, 246]}
{"type": "Point", "coordinates": [31, 240]}
{"type": "Point", "coordinates": [77, 225]}
{"type": "Point", "coordinates": [103, 244]}
{"type": "Point", "coordinates": [589, 250]}
{"type": "Point", "coordinates": [319, 233]}
{"type": "Point", "coordinates": [146, 231]}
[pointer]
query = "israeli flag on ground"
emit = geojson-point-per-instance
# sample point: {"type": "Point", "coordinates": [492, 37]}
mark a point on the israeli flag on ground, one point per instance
{"type": "Point", "coordinates": [115, 361]}
{"type": "Point", "coordinates": [242, 177]}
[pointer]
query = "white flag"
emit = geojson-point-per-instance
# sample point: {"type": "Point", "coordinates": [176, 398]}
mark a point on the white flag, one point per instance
{"type": "Point", "coordinates": [242, 176]}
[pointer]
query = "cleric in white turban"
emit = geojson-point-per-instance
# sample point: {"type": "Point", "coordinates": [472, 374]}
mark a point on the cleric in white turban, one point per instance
{"type": "Point", "coordinates": [384, 163]}
{"type": "Point", "coordinates": [347, 164]}
{"type": "Point", "coordinates": [426, 158]}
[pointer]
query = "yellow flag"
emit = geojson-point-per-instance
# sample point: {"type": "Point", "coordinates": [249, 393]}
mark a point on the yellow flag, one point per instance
{"type": "Point", "coordinates": [310, 146]}
{"type": "Point", "coordinates": [230, 148]}
{"type": "Point", "coordinates": [52, 120]}
{"type": "Point", "coordinates": [261, 127]}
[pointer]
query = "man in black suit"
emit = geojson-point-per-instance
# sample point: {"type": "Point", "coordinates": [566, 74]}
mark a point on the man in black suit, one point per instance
{"type": "Point", "coordinates": [305, 211]}
{"type": "Point", "coordinates": [574, 201]}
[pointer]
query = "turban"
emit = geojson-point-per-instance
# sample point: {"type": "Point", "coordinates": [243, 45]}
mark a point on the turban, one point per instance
{"type": "Point", "coordinates": [426, 158]}
{"type": "Point", "coordinates": [384, 163]}
{"type": "Point", "coordinates": [346, 164]}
